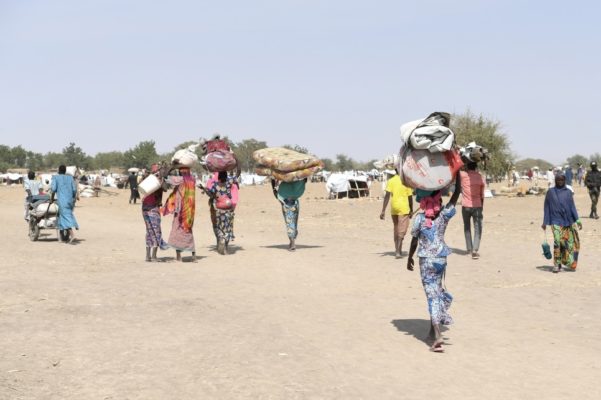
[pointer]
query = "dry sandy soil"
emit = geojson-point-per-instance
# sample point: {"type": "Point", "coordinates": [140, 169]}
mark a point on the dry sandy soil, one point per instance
{"type": "Point", "coordinates": [340, 318]}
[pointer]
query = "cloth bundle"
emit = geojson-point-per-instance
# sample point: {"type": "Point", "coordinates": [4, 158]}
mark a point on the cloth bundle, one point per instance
{"type": "Point", "coordinates": [285, 165]}
{"type": "Point", "coordinates": [428, 159]}
{"type": "Point", "coordinates": [218, 155]}
{"type": "Point", "coordinates": [186, 157]}
{"type": "Point", "coordinates": [473, 153]}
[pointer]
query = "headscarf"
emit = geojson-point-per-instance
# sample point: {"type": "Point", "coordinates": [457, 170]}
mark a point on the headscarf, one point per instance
{"type": "Point", "coordinates": [187, 208]}
{"type": "Point", "coordinates": [431, 206]}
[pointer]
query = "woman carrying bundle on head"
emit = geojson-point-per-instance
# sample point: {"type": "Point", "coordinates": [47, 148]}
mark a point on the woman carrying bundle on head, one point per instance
{"type": "Point", "coordinates": [223, 205]}
{"type": "Point", "coordinates": [428, 231]}
{"type": "Point", "coordinates": [288, 194]}
{"type": "Point", "coordinates": [182, 204]}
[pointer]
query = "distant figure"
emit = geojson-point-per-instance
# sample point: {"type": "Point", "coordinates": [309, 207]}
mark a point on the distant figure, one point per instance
{"type": "Point", "coordinates": [401, 210]}
{"type": "Point", "coordinates": [515, 176]}
{"type": "Point", "coordinates": [472, 205]}
{"type": "Point", "coordinates": [530, 174]}
{"type": "Point", "coordinates": [560, 213]}
{"type": "Point", "coordinates": [580, 174]}
{"type": "Point", "coordinates": [64, 188]}
{"type": "Point", "coordinates": [32, 187]}
{"type": "Point", "coordinates": [593, 183]}
{"type": "Point", "coordinates": [428, 231]}
{"type": "Point", "coordinates": [567, 171]}
{"type": "Point", "coordinates": [550, 178]}
{"type": "Point", "coordinates": [288, 194]}
{"type": "Point", "coordinates": [133, 187]}
{"type": "Point", "coordinates": [182, 204]}
{"type": "Point", "coordinates": [97, 185]}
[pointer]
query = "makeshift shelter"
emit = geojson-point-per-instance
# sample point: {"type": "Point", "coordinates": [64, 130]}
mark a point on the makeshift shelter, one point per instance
{"type": "Point", "coordinates": [342, 185]}
{"type": "Point", "coordinates": [252, 179]}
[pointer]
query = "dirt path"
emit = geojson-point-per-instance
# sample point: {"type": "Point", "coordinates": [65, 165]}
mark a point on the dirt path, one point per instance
{"type": "Point", "coordinates": [339, 319]}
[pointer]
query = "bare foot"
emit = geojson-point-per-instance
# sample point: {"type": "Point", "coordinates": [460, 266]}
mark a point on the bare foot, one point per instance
{"type": "Point", "coordinates": [437, 346]}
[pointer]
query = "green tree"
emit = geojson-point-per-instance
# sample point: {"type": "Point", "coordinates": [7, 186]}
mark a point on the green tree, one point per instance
{"type": "Point", "coordinates": [142, 155]}
{"type": "Point", "coordinates": [328, 164]}
{"type": "Point", "coordinates": [74, 155]}
{"type": "Point", "coordinates": [345, 163]}
{"type": "Point", "coordinates": [576, 159]}
{"type": "Point", "coordinates": [244, 152]}
{"type": "Point", "coordinates": [297, 148]}
{"type": "Point", "coordinates": [35, 161]}
{"type": "Point", "coordinates": [5, 158]}
{"type": "Point", "coordinates": [53, 160]}
{"type": "Point", "coordinates": [486, 133]}
{"type": "Point", "coordinates": [109, 159]}
{"type": "Point", "coordinates": [18, 157]}
{"type": "Point", "coordinates": [529, 163]}
{"type": "Point", "coordinates": [595, 157]}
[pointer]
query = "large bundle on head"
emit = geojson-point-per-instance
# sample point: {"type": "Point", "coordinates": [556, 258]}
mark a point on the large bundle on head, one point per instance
{"type": "Point", "coordinates": [185, 157]}
{"type": "Point", "coordinates": [428, 159]}
{"type": "Point", "coordinates": [473, 153]}
{"type": "Point", "coordinates": [218, 155]}
{"type": "Point", "coordinates": [285, 164]}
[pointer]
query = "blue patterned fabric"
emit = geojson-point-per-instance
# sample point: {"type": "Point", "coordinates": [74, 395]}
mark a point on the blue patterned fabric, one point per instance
{"type": "Point", "coordinates": [290, 210]}
{"type": "Point", "coordinates": [431, 240]}
{"type": "Point", "coordinates": [439, 301]}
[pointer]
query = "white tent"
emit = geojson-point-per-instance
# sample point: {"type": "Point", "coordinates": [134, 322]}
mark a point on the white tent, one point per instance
{"type": "Point", "coordinates": [347, 185]}
{"type": "Point", "coordinates": [252, 179]}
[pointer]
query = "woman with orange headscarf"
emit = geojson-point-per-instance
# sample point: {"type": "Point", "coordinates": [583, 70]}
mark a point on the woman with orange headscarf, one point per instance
{"type": "Point", "coordinates": [182, 204]}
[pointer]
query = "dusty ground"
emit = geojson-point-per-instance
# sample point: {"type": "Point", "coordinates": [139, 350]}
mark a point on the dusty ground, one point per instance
{"type": "Point", "coordinates": [339, 319]}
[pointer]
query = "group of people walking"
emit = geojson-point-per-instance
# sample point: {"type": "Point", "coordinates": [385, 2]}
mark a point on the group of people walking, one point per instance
{"type": "Point", "coordinates": [427, 229]}
{"type": "Point", "coordinates": [222, 191]}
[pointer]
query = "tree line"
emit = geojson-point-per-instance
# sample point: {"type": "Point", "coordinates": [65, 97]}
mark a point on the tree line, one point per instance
{"type": "Point", "coordinates": [467, 127]}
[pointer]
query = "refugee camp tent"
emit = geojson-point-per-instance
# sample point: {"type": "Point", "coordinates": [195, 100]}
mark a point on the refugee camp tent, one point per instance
{"type": "Point", "coordinates": [252, 179]}
{"type": "Point", "coordinates": [340, 185]}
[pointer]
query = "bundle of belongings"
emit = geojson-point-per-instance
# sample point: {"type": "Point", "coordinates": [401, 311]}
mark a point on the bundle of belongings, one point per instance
{"type": "Point", "coordinates": [285, 165]}
{"type": "Point", "coordinates": [473, 153]}
{"type": "Point", "coordinates": [185, 157]}
{"type": "Point", "coordinates": [428, 159]}
{"type": "Point", "coordinates": [218, 155]}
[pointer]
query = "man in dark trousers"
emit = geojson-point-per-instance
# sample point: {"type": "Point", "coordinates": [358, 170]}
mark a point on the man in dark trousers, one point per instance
{"type": "Point", "coordinates": [133, 187]}
{"type": "Point", "coordinates": [593, 183]}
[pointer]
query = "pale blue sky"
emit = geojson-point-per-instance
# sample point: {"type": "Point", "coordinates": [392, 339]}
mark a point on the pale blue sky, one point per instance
{"type": "Point", "coordinates": [334, 76]}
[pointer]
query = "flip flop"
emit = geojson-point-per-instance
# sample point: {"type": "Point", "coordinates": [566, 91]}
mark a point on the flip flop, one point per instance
{"type": "Point", "coordinates": [437, 348]}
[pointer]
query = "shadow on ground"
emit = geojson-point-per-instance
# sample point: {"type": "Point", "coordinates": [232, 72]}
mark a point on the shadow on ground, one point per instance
{"type": "Point", "coordinates": [285, 246]}
{"type": "Point", "coordinates": [418, 328]}
{"type": "Point", "coordinates": [460, 251]}
{"type": "Point", "coordinates": [549, 268]}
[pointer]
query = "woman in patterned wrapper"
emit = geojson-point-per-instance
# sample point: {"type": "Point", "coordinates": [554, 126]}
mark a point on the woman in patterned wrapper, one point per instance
{"type": "Point", "coordinates": [288, 194]}
{"type": "Point", "coordinates": [182, 204]}
{"type": "Point", "coordinates": [223, 201]}
{"type": "Point", "coordinates": [428, 239]}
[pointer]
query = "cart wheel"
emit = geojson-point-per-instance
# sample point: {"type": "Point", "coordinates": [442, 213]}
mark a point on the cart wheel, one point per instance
{"type": "Point", "coordinates": [34, 231]}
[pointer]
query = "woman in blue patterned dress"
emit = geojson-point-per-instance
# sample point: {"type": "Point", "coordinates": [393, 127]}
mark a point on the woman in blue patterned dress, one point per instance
{"type": "Point", "coordinates": [221, 195]}
{"type": "Point", "coordinates": [428, 232]}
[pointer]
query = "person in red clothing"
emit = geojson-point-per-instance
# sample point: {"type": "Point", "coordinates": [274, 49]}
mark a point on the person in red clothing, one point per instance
{"type": "Point", "coordinates": [472, 203]}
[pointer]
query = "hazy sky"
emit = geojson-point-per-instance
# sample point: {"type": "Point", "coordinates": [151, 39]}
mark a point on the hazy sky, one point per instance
{"type": "Point", "coordinates": [336, 76]}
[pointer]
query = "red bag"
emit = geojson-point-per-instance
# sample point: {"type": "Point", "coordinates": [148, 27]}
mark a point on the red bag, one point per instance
{"type": "Point", "coordinates": [223, 202]}
{"type": "Point", "coordinates": [216, 145]}
{"type": "Point", "coordinates": [220, 160]}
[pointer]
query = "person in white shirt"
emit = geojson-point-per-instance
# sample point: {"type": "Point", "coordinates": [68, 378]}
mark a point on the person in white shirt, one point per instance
{"type": "Point", "coordinates": [32, 187]}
